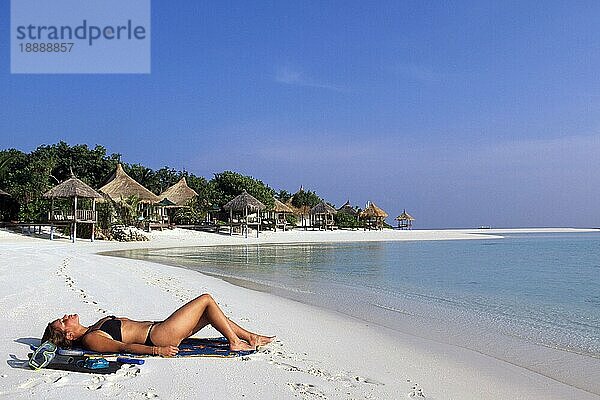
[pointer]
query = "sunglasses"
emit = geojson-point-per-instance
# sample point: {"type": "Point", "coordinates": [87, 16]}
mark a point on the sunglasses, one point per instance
{"type": "Point", "coordinates": [43, 355]}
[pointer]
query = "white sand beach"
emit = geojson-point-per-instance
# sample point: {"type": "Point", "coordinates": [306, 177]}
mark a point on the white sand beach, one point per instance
{"type": "Point", "coordinates": [318, 354]}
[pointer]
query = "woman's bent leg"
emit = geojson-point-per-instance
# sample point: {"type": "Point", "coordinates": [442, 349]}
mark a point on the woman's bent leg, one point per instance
{"type": "Point", "coordinates": [190, 318]}
{"type": "Point", "coordinates": [253, 338]}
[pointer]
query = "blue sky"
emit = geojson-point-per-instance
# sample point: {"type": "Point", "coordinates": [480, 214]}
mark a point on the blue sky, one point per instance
{"type": "Point", "coordinates": [464, 113]}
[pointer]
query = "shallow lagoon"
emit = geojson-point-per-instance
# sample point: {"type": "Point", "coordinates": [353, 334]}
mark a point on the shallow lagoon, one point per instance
{"type": "Point", "coordinates": [529, 299]}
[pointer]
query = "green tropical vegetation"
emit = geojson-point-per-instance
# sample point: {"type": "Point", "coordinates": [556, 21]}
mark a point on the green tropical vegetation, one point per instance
{"type": "Point", "coordinates": [227, 185]}
{"type": "Point", "coordinates": [27, 176]}
{"type": "Point", "coordinates": [305, 198]}
{"type": "Point", "coordinates": [346, 220]}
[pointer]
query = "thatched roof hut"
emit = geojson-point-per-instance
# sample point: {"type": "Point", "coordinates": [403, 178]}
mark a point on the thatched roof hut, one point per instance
{"type": "Point", "coordinates": [244, 201]}
{"type": "Point", "coordinates": [120, 186]}
{"type": "Point", "coordinates": [321, 216]}
{"type": "Point", "coordinates": [373, 216]}
{"type": "Point", "coordinates": [372, 211]}
{"type": "Point", "coordinates": [404, 217]}
{"type": "Point", "coordinates": [180, 193]}
{"type": "Point", "coordinates": [280, 207]}
{"type": "Point", "coordinates": [323, 208]}
{"type": "Point", "coordinates": [70, 188]}
{"type": "Point", "coordinates": [3, 193]}
{"type": "Point", "coordinates": [405, 220]}
{"type": "Point", "coordinates": [348, 209]}
{"type": "Point", "coordinates": [74, 189]}
{"type": "Point", "coordinates": [276, 216]}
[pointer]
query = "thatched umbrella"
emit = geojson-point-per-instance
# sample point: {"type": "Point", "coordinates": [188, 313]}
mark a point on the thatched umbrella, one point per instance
{"type": "Point", "coordinates": [180, 193]}
{"type": "Point", "coordinates": [211, 214]}
{"type": "Point", "coordinates": [166, 203]}
{"type": "Point", "coordinates": [243, 203]}
{"type": "Point", "coordinates": [321, 214]}
{"type": "Point", "coordinates": [374, 216]}
{"type": "Point", "coordinates": [405, 220]}
{"type": "Point", "coordinates": [120, 186]}
{"type": "Point", "coordinates": [73, 188]}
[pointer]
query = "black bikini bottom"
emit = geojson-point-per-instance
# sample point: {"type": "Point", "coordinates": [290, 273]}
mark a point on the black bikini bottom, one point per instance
{"type": "Point", "coordinates": [148, 341]}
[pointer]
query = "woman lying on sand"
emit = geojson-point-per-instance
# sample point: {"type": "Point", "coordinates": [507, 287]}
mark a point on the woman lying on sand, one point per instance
{"type": "Point", "coordinates": [124, 335]}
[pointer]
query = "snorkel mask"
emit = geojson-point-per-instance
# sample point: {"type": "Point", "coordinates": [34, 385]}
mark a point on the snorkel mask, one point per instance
{"type": "Point", "coordinates": [43, 355]}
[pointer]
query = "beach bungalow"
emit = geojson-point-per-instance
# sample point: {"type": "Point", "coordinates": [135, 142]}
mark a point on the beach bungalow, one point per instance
{"type": "Point", "coordinates": [177, 196]}
{"type": "Point", "coordinates": [404, 220]}
{"type": "Point", "coordinates": [240, 207]}
{"type": "Point", "coordinates": [277, 216]}
{"type": "Point", "coordinates": [121, 186]}
{"type": "Point", "coordinates": [373, 216]}
{"type": "Point", "coordinates": [73, 189]}
{"type": "Point", "coordinates": [348, 209]}
{"type": "Point", "coordinates": [322, 216]}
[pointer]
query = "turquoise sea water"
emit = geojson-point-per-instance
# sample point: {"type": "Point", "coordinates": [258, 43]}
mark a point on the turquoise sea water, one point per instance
{"type": "Point", "coordinates": [510, 298]}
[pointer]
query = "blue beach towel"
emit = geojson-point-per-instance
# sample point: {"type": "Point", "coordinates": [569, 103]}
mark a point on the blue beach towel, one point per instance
{"type": "Point", "coordinates": [190, 347]}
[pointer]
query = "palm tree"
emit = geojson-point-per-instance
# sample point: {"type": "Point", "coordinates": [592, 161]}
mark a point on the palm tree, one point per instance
{"type": "Point", "coordinates": [5, 160]}
{"type": "Point", "coordinates": [129, 211]}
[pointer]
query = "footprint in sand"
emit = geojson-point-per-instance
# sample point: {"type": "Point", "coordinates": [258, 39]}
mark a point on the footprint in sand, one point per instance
{"type": "Point", "coordinates": [94, 386]}
{"type": "Point", "coordinates": [85, 297]}
{"type": "Point", "coordinates": [297, 363]}
{"type": "Point", "coordinates": [127, 371]}
{"type": "Point", "coordinates": [416, 392]}
{"type": "Point", "coordinates": [61, 381]}
{"type": "Point", "coordinates": [150, 394]}
{"type": "Point", "coordinates": [307, 390]}
{"type": "Point", "coordinates": [111, 385]}
{"type": "Point", "coordinates": [52, 378]}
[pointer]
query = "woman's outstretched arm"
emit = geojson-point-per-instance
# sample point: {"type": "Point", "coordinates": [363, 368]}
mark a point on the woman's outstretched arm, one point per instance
{"type": "Point", "coordinates": [103, 344]}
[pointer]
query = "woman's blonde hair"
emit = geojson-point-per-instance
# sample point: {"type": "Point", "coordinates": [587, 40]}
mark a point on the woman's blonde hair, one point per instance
{"type": "Point", "coordinates": [59, 338]}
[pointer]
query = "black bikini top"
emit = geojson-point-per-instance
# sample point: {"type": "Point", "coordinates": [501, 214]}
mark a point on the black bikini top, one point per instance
{"type": "Point", "coordinates": [112, 326]}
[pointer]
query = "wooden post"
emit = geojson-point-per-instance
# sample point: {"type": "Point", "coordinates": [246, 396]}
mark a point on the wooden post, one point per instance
{"type": "Point", "coordinates": [245, 222]}
{"type": "Point", "coordinates": [75, 219]}
{"type": "Point", "coordinates": [230, 221]}
{"type": "Point", "coordinates": [52, 219]}
{"type": "Point", "coordinates": [94, 219]}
